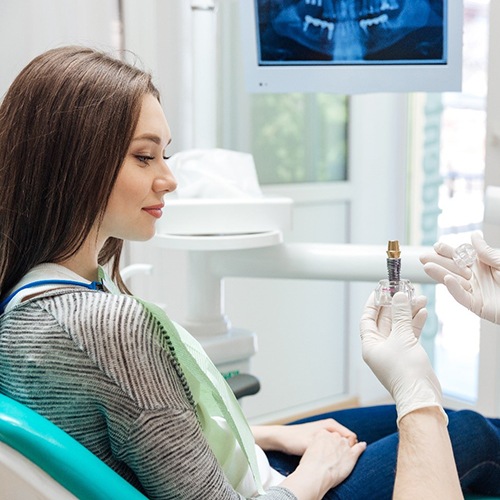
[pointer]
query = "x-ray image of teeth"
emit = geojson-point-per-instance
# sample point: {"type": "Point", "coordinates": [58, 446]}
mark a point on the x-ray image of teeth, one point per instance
{"type": "Point", "coordinates": [340, 31]}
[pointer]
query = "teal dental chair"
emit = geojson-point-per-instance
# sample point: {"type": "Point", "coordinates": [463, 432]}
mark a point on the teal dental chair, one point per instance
{"type": "Point", "coordinates": [40, 461]}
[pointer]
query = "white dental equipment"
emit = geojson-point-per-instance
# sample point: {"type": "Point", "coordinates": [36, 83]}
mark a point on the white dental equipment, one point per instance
{"type": "Point", "coordinates": [240, 234]}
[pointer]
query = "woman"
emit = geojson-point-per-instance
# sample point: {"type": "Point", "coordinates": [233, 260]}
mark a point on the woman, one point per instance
{"type": "Point", "coordinates": [82, 145]}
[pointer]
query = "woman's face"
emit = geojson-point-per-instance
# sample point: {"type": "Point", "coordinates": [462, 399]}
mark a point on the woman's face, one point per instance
{"type": "Point", "coordinates": [136, 200]}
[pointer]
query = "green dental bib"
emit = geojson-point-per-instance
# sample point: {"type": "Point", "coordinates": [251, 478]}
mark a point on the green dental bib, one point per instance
{"type": "Point", "coordinates": [215, 401]}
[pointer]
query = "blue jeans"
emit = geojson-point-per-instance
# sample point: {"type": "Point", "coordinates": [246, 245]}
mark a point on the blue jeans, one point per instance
{"type": "Point", "coordinates": [475, 440]}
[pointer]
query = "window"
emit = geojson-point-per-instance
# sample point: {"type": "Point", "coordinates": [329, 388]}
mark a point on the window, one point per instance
{"type": "Point", "coordinates": [461, 200]}
{"type": "Point", "coordinates": [299, 137]}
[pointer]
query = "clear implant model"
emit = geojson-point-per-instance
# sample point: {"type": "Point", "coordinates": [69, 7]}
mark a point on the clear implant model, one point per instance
{"type": "Point", "coordinates": [464, 255]}
{"type": "Point", "coordinates": [388, 287]}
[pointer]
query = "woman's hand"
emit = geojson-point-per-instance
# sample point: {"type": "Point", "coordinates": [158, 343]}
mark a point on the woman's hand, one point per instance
{"type": "Point", "coordinates": [295, 439]}
{"type": "Point", "coordinates": [329, 452]}
{"type": "Point", "coordinates": [326, 462]}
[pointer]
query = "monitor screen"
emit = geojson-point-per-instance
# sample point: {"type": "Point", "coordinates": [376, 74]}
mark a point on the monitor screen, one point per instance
{"type": "Point", "coordinates": [352, 46]}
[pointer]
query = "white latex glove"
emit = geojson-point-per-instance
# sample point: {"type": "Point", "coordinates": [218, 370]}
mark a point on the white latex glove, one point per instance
{"type": "Point", "coordinates": [478, 287]}
{"type": "Point", "coordinates": [396, 356]}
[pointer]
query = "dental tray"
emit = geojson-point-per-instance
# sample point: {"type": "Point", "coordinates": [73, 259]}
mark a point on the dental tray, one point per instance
{"type": "Point", "coordinates": [214, 216]}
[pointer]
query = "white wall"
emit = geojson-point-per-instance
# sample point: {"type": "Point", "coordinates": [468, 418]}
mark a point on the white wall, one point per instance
{"type": "Point", "coordinates": [29, 27]}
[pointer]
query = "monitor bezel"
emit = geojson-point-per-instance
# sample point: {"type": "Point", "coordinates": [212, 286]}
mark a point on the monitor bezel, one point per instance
{"type": "Point", "coordinates": [353, 78]}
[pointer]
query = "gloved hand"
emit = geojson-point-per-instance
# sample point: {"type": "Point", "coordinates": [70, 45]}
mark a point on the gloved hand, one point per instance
{"type": "Point", "coordinates": [396, 356]}
{"type": "Point", "coordinates": [478, 287]}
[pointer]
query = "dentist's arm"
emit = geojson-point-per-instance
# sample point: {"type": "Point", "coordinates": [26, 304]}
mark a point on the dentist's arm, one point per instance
{"type": "Point", "coordinates": [477, 287]}
{"type": "Point", "coordinates": [426, 466]}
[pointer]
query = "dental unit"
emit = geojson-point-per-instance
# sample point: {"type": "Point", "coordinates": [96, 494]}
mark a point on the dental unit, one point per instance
{"type": "Point", "coordinates": [213, 258]}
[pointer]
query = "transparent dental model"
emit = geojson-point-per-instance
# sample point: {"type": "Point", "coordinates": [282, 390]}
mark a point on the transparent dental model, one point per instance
{"type": "Point", "coordinates": [464, 255]}
{"type": "Point", "coordinates": [388, 287]}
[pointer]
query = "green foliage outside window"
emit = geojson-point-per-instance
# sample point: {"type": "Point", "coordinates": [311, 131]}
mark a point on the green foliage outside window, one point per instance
{"type": "Point", "coordinates": [299, 138]}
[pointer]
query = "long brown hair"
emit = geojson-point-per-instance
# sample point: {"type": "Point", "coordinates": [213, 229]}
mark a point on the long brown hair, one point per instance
{"type": "Point", "coordinates": [66, 123]}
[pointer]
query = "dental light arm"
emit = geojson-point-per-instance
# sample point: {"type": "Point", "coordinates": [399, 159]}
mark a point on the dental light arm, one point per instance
{"type": "Point", "coordinates": [337, 262]}
{"type": "Point", "coordinates": [343, 262]}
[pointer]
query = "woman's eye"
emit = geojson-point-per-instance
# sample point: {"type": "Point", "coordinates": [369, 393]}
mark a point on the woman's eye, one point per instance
{"type": "Point", "coordinates": [144, 158]}
{"type": "Point", "coordinates": [166, 157]}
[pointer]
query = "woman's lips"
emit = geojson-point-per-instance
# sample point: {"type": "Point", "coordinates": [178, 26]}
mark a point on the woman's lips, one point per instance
{"type": "Point", "coordinates": [155, 211]}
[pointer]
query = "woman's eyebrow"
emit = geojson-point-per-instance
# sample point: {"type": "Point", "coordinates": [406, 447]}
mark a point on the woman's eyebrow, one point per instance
{"type": "Point", "coordinates": [151, 137]}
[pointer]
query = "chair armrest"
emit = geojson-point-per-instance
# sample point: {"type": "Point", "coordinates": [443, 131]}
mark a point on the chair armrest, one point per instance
{"type": "Point", "coordinates": [243, 384]}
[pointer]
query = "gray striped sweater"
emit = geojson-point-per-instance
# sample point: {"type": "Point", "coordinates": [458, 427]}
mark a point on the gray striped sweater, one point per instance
{"type": "Point", "coordinates": [97, 366]}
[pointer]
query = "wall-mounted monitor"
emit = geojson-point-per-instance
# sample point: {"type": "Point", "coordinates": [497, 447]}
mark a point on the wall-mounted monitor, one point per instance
{"type": "Point", "coordinates": [352, 46]}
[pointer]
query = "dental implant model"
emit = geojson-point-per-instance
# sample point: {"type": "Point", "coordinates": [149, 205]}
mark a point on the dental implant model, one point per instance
{"type": "Point", "coordinates": [464, 255]}
{"type": "Point", "coordinates": [388, 287]}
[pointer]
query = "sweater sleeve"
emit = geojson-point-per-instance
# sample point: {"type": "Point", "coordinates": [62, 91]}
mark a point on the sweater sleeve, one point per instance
{"type": "Point", "coordinates": [158, 436]}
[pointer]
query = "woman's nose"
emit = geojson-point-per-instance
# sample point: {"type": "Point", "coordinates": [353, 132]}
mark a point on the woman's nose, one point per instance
{"type": "Point", "coordinates": [166, 181]}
